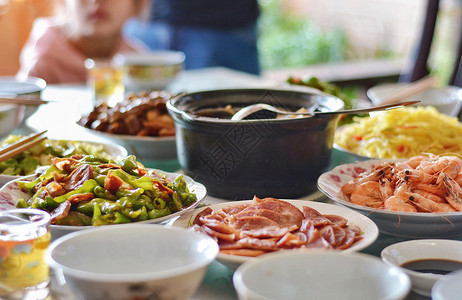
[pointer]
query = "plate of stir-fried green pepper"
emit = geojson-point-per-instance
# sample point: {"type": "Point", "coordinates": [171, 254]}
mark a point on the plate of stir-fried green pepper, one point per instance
{"type": "Point", "coordinates": [84, 191]}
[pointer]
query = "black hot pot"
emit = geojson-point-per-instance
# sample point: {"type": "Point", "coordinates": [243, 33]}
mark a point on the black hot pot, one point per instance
{"type": "Point", "coordinates": [235, 160]}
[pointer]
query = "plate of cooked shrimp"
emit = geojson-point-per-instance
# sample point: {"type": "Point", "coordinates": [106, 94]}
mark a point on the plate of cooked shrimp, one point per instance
{"type": "Point", "coordinates": [419, 197]}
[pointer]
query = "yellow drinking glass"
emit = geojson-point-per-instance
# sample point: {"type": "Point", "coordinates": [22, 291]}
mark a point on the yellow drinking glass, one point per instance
{"type": "Point", "coordinates": [24, 240]}
{"type": "Point", "coordinates": [105, 78]}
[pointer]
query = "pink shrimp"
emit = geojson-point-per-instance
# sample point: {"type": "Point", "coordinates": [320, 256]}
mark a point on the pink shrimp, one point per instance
{"type": "Point", "coordinates": [415, 161]}
{"type": "Point", "coordinates": [377, 173]}
{"type": "Point", "coordinates": [368, 194]}
{"type": "Point", "coordinates": [455, 192]}
{"type": "Point", "coordinates": [414, 176]}
{"type": "Point", "coordinates": [427, 205]}
{"type": "Point", "coordinates": [451, 165]}
{"type": "Point", "coordinates": [396, 203]}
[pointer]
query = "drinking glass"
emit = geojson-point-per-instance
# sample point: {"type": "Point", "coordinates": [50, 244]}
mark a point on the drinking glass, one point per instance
{"type": "Point", "coordinates": [24, 239]}
{"type": "Point", "coordinates": [105, 78]}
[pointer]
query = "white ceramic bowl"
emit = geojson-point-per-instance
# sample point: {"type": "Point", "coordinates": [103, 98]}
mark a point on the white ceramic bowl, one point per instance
{"type": "Point", "coordinates": [143, 147]}
{"type": "Point", "coordinates": [153, 70]}
{"type": "Point", "coordinates": [133, 262]}
{"type": "Point", "coordinates": [447, 100]}
{"type": "Point", "coordinates": [320, 275]}
{"type": "Point", "coordinates": [404, 224]}
{"type": "Point", "coordinates": [10, 117]}
{"type": "Point", "coordinates": [369, 229]}
{"type": "Point", "coordinates": [448, 287]}
{"type": "Point", "coordinates": [30, 87]}
{"type": "Point", "coordinates": [403, 252]}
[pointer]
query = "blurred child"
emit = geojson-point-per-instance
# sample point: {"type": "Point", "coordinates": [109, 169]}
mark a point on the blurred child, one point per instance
{"type": "Point", "coordinates": [58, 46]}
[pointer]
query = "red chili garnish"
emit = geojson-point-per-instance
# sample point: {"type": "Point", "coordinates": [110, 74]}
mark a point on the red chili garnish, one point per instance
{"type": "Point", "coordinates": [358, 137]}
{"type": "Point", "coordinates": [401, 148]}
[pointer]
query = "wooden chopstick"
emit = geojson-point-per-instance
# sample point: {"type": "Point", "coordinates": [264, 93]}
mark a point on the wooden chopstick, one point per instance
{"type": "Point", "coordinates": [21, 145]}
{"type": "Point", "coordinates": [23, 101]}
{"type": "Point", "coordinates": [411, 90]}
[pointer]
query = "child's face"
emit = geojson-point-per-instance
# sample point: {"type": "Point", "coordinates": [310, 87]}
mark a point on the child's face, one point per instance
{"type": "Point", "coordinates": [99, 18]}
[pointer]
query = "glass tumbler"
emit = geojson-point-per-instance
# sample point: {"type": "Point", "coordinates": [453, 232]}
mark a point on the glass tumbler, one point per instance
{"type": "Point", "coordinates": [105, 79]}
{"type": "Point", "coordinates": [24, 240]}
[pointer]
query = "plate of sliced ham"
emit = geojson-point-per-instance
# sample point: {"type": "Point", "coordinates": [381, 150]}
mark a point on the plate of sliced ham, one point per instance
{"type": "Point", "coordinates": [247, 229]}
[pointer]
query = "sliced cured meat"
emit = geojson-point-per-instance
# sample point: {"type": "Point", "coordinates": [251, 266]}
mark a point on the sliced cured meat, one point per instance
{"type": "Point", "coordinates": [260, 244]}
{"type": "Point", "coordinates": [251, 222]}
{"type": "Point", "coordinates": [270, 224]}
{"type": "Point", "coordinates": [244, 252]}
{"type": "Point", "coordinates": [287, 210]}
{"type": "Point", "coordinates": [315, 216]}
{"type": "Point", "coordinates": [221, 236]}
{"type": "Point", "coordinates": [234, 209]}
{"type": "Point", "coordinates": [337, 220]}
{"type": "Point", "coordinates": [204, 212]}
{"type": "Point", "coordinates": [292, 240]}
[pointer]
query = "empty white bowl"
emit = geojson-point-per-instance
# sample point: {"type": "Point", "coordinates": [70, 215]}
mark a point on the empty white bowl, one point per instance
{"type": "Point", "coordinates": [153, 70]}
{"type": "Point", "coordinates": [403, 252]}
{"type": "Point", "coordinates": [446, 100]}
{"type": "Point", "coordinates": [448, 287]}
{"type": "Point", "coordinates": [319, 275]}
{"type": "Point", "coordinates": [132, 261]}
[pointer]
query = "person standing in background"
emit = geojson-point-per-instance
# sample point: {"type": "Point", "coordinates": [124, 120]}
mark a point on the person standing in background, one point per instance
{"type": "Point", "coordinates": [58, 46]}
{"type": "Point", "coordinates": [210, 33]}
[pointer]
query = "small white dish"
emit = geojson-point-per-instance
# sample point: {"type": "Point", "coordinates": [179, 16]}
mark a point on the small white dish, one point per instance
{"type": "Point", "coordinates": [320, 275]}
{"type": "Point", "coordinates": [447, 100]}
{"type": "Point", "coordinates": [448, 288]}
{"type": "Point", "coordinates": [405, 252]}
{"type": "Point", "coordinates": [397, 223]}
{"type": "Point", "coordinates": [135, 261]}
{"type": "Point", "coordinates": [369, 229]}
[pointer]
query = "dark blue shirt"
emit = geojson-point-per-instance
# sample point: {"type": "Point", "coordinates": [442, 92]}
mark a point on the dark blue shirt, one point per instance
{"type": "Point", "coordinates": [224, 14]}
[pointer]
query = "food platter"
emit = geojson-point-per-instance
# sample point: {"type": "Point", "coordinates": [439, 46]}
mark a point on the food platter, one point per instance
{"type": "Point", "coordinates": [115, 151]}
{"type": "Point", "coordinates": [11, 193]}
{"type": "Point", "coordinates": [402, 224]}
{"type": "Point", "coordinates": [368, 227]}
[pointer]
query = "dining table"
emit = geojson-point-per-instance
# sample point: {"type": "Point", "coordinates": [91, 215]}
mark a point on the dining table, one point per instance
{"type": "Point", "coordinates": [68, 102]}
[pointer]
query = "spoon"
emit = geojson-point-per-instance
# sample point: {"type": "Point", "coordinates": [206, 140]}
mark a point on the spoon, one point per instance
{"type": "Point", "coordinates": [248, 110]}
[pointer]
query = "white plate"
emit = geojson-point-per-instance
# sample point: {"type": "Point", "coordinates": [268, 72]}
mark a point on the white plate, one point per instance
{"type": "Point", "coordinates": [11, 193]}
{"type": "Point", "coordinates": [143, 147]}
{"type": "Point", "coordinates": [115, 151]}
{"type": "Point", "coordinates": [233, 261]}
{"type": "Point", "coordinates": [404, 224]}
{"type": "Point", "coordinates": [446, 100]}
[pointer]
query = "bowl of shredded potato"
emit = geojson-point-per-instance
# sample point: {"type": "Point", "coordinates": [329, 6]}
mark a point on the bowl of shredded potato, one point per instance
{"type": "Point", "coordinates": [401, 133]}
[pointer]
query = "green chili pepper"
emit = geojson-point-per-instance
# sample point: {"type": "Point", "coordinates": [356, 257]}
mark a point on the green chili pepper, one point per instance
{"type": "Point", "coordinates": [75, 219]}
{"type": "Point", "coordinates": [144, 182]}
{"type": "Point", "coordinates": [158, 213]}
{"type": "Point", "coordinates": [128, 164]}
{"type": "Point", "coordinates": [88, 187]}
{"type": "Point", "coordinates": [29, 185]}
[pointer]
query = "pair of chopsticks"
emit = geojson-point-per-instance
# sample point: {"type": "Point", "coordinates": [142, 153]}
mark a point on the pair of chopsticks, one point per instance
{"type": "Point", "coordinates": [23, 101]}
{"type": "Point", "coordinates": [21, 145]}
{"type": "Point", "coordinates": [412, 89]}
